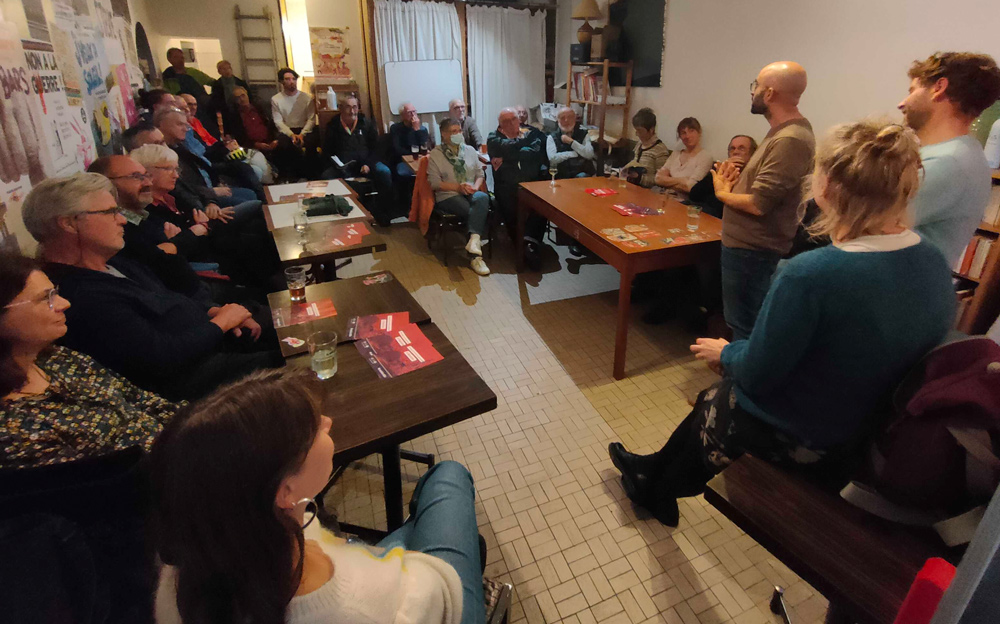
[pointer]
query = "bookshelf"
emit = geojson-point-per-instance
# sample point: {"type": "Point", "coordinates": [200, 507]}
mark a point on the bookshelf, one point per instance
{"type": "Point", "coordinates": [593, 90]}
{"type": "Point", "coordinates": [979, 273]}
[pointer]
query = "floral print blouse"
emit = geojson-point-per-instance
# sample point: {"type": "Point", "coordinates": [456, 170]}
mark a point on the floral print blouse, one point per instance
{"type": "Point", "coordinates": [87, 410]}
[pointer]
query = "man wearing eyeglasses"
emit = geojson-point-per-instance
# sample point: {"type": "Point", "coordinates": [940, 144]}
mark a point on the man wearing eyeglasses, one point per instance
{"type": "Point", "coordinates": [762, 202]}
{"type": "Point", "coordinates": [122, 314]}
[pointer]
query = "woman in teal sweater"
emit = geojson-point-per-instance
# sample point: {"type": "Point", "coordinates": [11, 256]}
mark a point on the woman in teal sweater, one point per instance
{"type": "Point", "coordinates": [839, 328]}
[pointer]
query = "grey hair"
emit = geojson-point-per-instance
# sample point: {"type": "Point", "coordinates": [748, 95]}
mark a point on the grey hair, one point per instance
{"type": "Point", "coordinates": [160, 115]}
{"type": "Point", "coordinates": [59, 197]}
{"type": "Point", "coordinates": [403, 106]}
{"type": "Point", "coordinates": [151, 154]}
{"type": "Point", "coordinates": [507, 110]}
{"type": "Point", "coordinates": [348, 96]}
{"type": "Point", "coordinates": [454, 101]}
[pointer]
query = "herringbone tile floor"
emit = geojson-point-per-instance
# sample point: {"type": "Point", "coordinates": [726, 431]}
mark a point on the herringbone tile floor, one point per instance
{"type": "Point", "coordinates": [550, 505]}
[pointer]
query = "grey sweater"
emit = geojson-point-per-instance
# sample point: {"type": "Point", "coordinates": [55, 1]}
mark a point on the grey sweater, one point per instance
{"type": "Point", "coordinates": [440, 170]}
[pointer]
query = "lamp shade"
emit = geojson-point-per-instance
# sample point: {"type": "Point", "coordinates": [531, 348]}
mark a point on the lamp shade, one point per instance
{"type": "Point", "coordinates": [587, 9]}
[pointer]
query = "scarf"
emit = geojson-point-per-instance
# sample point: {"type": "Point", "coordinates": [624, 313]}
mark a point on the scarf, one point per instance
{"type": "Point", "coordinates": [457, 161]}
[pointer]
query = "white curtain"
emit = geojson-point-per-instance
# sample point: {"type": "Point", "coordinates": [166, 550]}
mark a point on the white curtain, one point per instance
{"type": "Point", "coordinates": [506, 60]}
{"type": "Point", "coordinates": [414, 31]}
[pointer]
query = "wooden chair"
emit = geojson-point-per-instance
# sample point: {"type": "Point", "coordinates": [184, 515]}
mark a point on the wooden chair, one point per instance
{"type": "Point", "coordinates": [863, 564]}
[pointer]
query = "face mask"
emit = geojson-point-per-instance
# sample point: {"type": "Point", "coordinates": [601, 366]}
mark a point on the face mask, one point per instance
{"type": "Point", "coordinates": [457, 139]}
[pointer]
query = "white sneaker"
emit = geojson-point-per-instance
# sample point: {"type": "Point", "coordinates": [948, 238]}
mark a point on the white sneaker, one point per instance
{"type": "Point", "coordinates": [475, 245]}
{"type": "Point", "coordinates": [479, 266]}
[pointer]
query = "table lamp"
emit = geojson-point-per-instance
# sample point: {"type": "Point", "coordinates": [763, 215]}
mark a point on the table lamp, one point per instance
{"type": "Point", "coordinates": [586, 10]}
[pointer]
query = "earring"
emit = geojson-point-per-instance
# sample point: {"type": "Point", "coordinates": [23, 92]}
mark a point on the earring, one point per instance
{"type": "Point", "coordinates": [307, 502]}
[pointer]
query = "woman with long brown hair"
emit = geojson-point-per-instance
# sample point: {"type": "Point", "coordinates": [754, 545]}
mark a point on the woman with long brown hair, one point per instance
{"type": "Point", "coordinates": [234, 478]}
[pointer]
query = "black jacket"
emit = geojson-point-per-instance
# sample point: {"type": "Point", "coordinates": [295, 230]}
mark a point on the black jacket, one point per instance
{"type": "Point", "coordinates": [136, 326]}
{"type": "Point", "coordinates": [523, 156]}
{"type": "Point", "coordinates": [361, 146]}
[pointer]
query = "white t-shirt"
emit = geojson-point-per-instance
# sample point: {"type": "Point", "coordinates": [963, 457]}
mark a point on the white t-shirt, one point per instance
{"type": "Point", "coordinates": [692, 169]}
{"type": "Point", "coordinates": [286, 103]}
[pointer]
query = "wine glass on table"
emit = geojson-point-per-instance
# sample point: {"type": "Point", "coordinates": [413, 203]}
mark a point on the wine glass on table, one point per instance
{"type": "Point", "coordinates": [553, 171]}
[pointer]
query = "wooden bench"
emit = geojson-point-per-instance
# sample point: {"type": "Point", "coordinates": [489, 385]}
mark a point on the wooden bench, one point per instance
{"type": "Point", "coordinates": [862, 564]}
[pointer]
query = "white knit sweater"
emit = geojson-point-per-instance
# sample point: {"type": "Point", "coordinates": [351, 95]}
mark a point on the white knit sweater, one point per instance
{"type": "Point", "coordinates": [397, 587]}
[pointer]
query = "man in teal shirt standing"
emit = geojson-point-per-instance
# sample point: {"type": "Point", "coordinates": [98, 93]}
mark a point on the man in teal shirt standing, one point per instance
{"type": "Point", "coordinates": [948, 91]}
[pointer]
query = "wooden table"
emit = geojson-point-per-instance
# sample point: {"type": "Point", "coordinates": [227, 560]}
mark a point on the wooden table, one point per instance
{"type": "Point", "coordinates": [315, 250]}
{"type": "Point", "coordinates": [351, 297]}
{"type": "Point", "coordinates": [864, 565]}
{"type": "Point", "coordinates": [582, 216]}
{"type": "Point", "coordinates": [372, 415]}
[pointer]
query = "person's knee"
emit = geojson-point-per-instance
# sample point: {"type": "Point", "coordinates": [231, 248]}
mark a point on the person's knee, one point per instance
{"type": "Point", "coordinates": [452, 471]}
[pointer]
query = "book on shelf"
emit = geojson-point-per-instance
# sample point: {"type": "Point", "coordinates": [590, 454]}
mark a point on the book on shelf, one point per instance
{"type": "Point", "coordinates": [992, 215]}
{"type": "Point", "coordinates": [974, 259]}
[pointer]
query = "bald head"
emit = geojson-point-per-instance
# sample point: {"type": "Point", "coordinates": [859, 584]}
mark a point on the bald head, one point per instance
{"type": "Point", "coordinates": [510, 125]}
{"type": "Point", "coordinates": [787, 78]}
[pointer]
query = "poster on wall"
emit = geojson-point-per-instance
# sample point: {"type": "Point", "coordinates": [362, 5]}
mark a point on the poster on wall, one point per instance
{"type": "Point", "coordinates": [103, 109]}
{"type": "Point", "coordinates": [70, 142]}
{"type": "Point", "coordinates": [61, 35]}
{"type": "Point", "coordinates": [330, 51]}
{"type": "Point", "coordinates": [24, 149]}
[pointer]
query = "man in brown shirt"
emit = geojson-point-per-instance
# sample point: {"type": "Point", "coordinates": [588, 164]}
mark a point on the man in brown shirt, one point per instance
{"type": "Point", "coordinates": [762, 203]}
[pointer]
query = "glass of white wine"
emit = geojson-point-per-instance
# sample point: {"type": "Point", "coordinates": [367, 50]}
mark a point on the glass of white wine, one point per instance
{"type": "Point", "coordinates": [553, 171]}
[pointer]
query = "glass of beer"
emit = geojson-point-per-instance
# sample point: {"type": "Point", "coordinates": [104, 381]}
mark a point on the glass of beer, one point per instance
{"type": "Point", "coordinates": [295, 277]}
{"type": "Point", "coordinates": [323, 353]}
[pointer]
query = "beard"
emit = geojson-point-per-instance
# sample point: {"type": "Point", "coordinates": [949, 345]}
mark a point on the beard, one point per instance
{"type": "Point", "coordinates": [916, 118]}
{"type": "Point", "coordinates": [758, 106]}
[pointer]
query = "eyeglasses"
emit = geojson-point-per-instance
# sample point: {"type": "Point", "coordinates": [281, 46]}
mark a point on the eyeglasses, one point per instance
{"type": "Point", "coordinates": [49, 297]}
{"type": "Point", "coordinates": [167, 169]}
{"type": "Point", "coordinates": [117, 210]}
{"type": "Point", "coordinates": [138, 177]}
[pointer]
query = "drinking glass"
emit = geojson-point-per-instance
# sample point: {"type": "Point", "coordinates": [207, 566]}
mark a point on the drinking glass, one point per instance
{"type": "Point", "coordinates": [608, 170]}
{"type": "Point", "coordinates": [694, 215]}
{"type": "Point", "coordinates": [301, 222]}
{"type": "Point", "coordinates": [553, 171]}
{"type": "Point", "coordinates": [323, 353]}
{"type": "Point", "coordinates": [295, 277]}
{"type": "Point", "coordinates": [623, 178]}
{"type": "Point", "coordinates": [414, 151]}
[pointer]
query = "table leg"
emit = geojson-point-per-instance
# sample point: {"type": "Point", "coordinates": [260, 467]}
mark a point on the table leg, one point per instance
{"type": "Point", "coordinates": [392, 479]}
{"type": "Point", "coordinates": [621, 334]}
{"type": "Point", "coordinates": [522, 219]}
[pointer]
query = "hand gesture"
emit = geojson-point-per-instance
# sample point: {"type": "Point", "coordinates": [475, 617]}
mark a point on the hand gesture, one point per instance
{"type": "Point", "coordinates": [567, 139]}
{"type": "Point", "coordinates": [365, 169]}
{"type": "Point", "coordinates": [709, 350]}
{"type": "Point", "coordinates": [223, 191]}
{"type": "Point", "coordinates": [200, 216]}
{"type": "Point", "coordinates": [466, 189]}
{"type": "Point", "coordinates": [229, 317]}
{"type": "Point", "coordinates": [170, 230]}
{"type": "Point", "coordinates": [168, 248]}
{"type": "Point", "coordinates": [199, 229]}
{"type": "Point", "coordinates": [297, 139]}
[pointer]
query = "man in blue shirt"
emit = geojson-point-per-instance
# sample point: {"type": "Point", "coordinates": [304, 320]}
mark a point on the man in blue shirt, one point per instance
{"type": "Point", "coordinates": [948, 91]}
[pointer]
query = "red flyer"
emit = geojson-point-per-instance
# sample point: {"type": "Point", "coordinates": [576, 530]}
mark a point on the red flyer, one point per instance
{"type": "Point", "coordinates": [601, 192]}
{"type": "Point", "coordinates": [366, 326]}
{"type": "Point", "coordinates": [347, 234]}
{"type": "Point", "coordinates": [404, 350]}
{"type": "Point", "coordinates": [299, 313]}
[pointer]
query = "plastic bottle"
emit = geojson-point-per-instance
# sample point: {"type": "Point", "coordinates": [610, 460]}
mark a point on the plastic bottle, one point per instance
{"type": "Point", "coordinates": [331, 98]}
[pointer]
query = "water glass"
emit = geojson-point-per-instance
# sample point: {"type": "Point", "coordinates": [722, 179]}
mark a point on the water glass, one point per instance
{"type": "Point", "coordinates": [301, 222]}
{"type": "Point", "coordinates": [623, 178]}
{"type": "Point", "coordinates": [694, 215]}
{"type": "Point", "coordinates": [295, 278]}
{"type": "Point", "coordinates": [323, 353]}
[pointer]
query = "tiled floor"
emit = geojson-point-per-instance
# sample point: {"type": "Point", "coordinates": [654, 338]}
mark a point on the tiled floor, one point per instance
{"type": "Point", "coordinates": [550, 505]}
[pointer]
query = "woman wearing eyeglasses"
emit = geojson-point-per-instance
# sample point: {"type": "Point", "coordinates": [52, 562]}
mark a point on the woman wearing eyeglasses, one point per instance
{"type": "Point", "coordinates": [58, 405]}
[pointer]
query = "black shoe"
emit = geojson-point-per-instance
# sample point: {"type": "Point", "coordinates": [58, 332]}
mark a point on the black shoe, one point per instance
{"type": "Point", "coordinates": [629, 463]}
{"type": "Point", "coordinates": [531, 257]}
{"type": "Point", "coordinates": [663, 508]}
{"type": "Point", "coordinates": [577, 250]}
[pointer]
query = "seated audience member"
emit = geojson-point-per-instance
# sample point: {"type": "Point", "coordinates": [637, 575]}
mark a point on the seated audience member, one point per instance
{"type": "Point", "coordinates": [470, 131]}
{"type": "Point", "coordinates": [122, 315]}
{"type": "Point", "coordinates": [517, 155]}
{"type": "Point", "coordinates": [685, 167]}
{"type": "Point", "coordinates": [294, 116]}
{"type": "Point", "coordinates": [141, 133]}
{"type": "Point", "coordinates": [149, 239]}
{"type": "Point", "coordinates": [273, 562]}
{"type": "Point", "coordinates": [947, 92]}
{"type": "Point", "coordinates": [741, 148]}
{"type": "Point", "coordinates": [243, 249]}
{"type": "Point", "coordinates": [197, 172]}
{"type": "Point", "coordinates": [153, 100]}
{"type": "Point", "coordinates": [250, 125]}
{"type": "Point", "coordinates": [569, 149]}
{"type": "Point", "coordinates": [246, 168]}
{"type": "Point", "coordinates": [829, 346]}
{"type": "Point", "coordinates": [407, 136]}
{"type": "Point", "coordinates": [223, 99]}
{"type": "Point", "coordinates": [523, 118]}
{"type": "Point", "coordinates": [650, 152]}
{"type": "Point", "coordinates": [353, 139]}
{"type": "Point", "coordinates": [58, 405]}
{"type": "Point", "coordinates": [456, 176]}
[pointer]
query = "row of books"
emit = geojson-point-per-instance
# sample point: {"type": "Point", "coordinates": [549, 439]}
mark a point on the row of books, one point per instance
{"type": "Point", "coordinates": [974, 258]}
{"type": "Point", "coordinates": [587, 85]}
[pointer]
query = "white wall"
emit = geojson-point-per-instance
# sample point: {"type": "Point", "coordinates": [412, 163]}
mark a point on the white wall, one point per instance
{"type": "Point", "coordinates": [344, 14]}
{"type": "Point", "coordinates": [855, 51]}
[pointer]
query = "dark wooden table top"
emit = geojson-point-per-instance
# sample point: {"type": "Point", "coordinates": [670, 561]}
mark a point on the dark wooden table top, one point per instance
{"type": "Point", "coordinates": [370, 414]}
{"type": "Point", "coordinates": [595, 213]}
{"type": "Point", "coordinates": [316, 248]}
{"type": "Point", "coordinates": [863, 563]}
{"type": "Point", "coordinates": [351, 297]}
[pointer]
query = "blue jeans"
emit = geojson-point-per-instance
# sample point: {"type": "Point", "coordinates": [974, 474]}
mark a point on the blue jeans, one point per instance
{"type": "Point", "coordinates": [475, 209]}
{"type": "Point", "coordinates": [403, 170]}
{"type": "Point", "coordinates": [746, 278]}
{"type": "Point", "coordinates": [442, 523]}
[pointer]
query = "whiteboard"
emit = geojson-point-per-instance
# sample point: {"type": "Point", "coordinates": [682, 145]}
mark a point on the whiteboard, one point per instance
{"type": "Point", "coordinates": [428, 85]}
